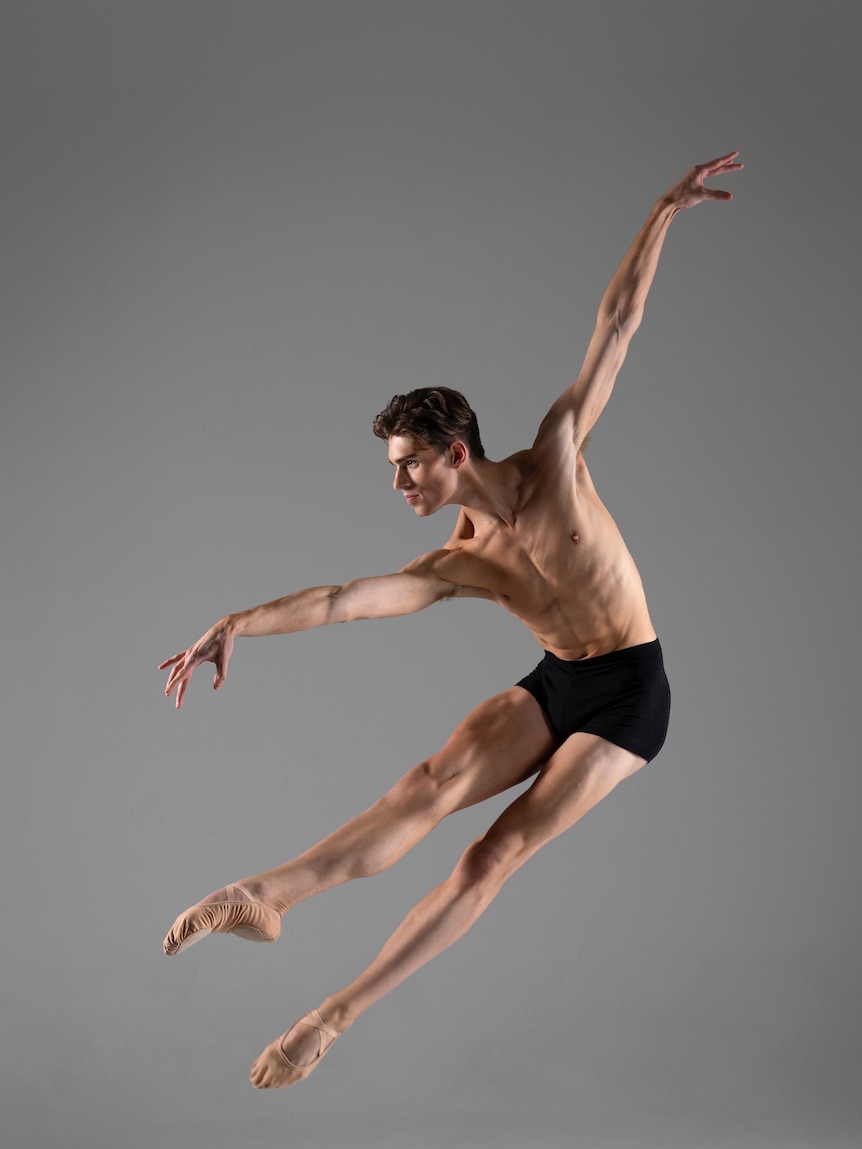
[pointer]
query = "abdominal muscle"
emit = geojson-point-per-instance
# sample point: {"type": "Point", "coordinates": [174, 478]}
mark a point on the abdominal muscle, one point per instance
{"type": "Point", "coordinates": [575, 621]}
{"type": "Point", "coordinates": [563, 569]}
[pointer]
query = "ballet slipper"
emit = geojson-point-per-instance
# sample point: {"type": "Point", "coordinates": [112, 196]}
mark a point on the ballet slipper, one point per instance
{"type": "Point", "coordinates": [233, 912]}
{"type": "Point", "coordinates": [274, 1069]}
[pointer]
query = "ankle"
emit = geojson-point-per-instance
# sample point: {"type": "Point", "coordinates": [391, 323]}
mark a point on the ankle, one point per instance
{"type": "Point", "coordinates": [337, 1013]}
{"type": "Point", "coordinates": [261, 889]}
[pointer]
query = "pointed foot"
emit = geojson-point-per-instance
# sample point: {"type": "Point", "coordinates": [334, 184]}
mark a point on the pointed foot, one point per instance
{"type": "Point", "coordinates": [229, 911]}
{"type": "Point", "coordinates": [274, 1069]}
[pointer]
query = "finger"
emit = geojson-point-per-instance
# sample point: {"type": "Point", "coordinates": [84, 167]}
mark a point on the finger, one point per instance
{"type": "Point", "coordinates": [717, 164]}
{"type": "Point", "coordinates": [220, 670]}
{"type": "Point", "coordinates": [707, 171]}
{"type": "Point", "coordinates": [180, 673]}
{"type": "Point", "coordinates": [181, 691]}
{"type": "Point", "coordinates": [725, 161]}
{"type": "Point", "coordinates": [170, 661]}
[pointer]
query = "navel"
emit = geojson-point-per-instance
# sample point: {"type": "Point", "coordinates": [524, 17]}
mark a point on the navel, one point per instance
{"type": "Point", "coordinates": [576, 538]}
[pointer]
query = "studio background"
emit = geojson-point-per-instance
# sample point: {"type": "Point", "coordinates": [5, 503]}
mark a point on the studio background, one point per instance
{"type": "Point", "coordinates": [230, 233]}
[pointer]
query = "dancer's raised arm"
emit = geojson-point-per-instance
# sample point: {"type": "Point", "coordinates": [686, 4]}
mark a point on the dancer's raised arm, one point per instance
{"type": "Point", "coordinates": [621, 309]}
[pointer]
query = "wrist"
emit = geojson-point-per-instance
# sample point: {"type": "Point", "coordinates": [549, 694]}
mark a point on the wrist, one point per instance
{"type": "Point", "coordinates": [667, 206]}
{"type": "Point", "coordinates": [234, 625]}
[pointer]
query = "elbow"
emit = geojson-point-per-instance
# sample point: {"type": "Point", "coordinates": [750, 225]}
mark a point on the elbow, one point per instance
{"type": "Point", "coordinates": [630, 319]}
{"type": "Point", "coordinates": [336, 603]}
{"type": "Point", "coordinates": [623, 319]}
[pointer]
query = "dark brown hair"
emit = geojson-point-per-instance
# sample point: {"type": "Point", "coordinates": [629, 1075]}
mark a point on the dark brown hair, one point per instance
{"type": "Point", "coordinates": [434, 417]}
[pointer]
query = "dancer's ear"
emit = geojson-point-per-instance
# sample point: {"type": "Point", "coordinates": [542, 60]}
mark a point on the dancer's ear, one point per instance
{"type": "Point", "coordinates": [458, 454]}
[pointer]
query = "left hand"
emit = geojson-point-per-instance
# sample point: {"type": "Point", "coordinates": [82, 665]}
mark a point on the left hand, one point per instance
{"type": "Point", "coordinates": [690, 189]}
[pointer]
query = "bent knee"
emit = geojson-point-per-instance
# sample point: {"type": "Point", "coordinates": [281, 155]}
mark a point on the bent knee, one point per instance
{"type": "Point", "coordinates": [488, 862]}
{"type": "Point", "coordinates": [429, 787]}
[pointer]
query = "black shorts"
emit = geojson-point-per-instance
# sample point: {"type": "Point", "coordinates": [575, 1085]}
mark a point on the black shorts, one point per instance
{"type": "Point", "coordinates": [624, 696]}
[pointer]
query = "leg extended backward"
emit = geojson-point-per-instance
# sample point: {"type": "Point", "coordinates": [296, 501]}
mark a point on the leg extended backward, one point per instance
{"type": "Point", "coordinates": [498, 745]}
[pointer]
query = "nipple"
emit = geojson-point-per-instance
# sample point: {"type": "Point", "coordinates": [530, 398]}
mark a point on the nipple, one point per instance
{"type": "Point", "coordinates": [576, 538]}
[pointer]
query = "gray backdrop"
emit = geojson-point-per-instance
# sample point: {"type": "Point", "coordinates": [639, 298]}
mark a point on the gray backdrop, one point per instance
{"type": "Point", "coordinates": [231, 231]}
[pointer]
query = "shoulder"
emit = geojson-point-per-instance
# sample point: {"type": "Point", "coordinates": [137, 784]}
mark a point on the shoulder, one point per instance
{"type": "Point", "coordinates": [440, 564]}
{"type": "Point", "coordinates": [453, 567]}
{"type": "Point", "coordinates": [555, 454]}
{"type": "Point", "coordinates": [558, 431]}
{"type": "Point", "coordinates": [436, 563]}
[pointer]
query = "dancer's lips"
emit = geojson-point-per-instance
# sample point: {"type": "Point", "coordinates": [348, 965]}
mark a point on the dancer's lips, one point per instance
{"type": "Point", "coordinates": [411, 499]}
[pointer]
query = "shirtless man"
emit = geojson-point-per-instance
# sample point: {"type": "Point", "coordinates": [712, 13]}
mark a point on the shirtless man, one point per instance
{"type": "Point", "coordinates": [533, 536]}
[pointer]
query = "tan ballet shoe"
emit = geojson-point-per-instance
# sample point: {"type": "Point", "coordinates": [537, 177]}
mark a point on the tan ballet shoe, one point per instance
{"type": "Point", "coordinates": [274, 1069]}
{"type": "Point", "coordinates": [233, 911]}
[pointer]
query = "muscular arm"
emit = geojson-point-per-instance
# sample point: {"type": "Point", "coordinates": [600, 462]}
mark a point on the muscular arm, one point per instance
{"type": "Point", "coordinates": [383, 596]}
{"type": "Point", "coordinates": [622, 305]}
{"type": "Point", "coordinates": [410, 590]}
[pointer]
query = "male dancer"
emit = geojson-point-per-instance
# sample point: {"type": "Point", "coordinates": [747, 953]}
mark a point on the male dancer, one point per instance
{"type": "Point", "coordinates": [533, 536]}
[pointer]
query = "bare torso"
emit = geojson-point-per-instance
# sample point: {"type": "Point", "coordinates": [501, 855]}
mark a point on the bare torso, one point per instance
{"type": "Point", "coordinates": [560, 566]}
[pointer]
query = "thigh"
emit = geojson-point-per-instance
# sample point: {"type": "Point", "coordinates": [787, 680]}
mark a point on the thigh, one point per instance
{"type": "Point", "coordinates": [582, 771]}
{"type": "Point", "coordinates": [504, 741]}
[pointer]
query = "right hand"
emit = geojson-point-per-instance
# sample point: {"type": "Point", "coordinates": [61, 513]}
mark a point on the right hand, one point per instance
{"type": "Point", "coordinates": [215, 646]}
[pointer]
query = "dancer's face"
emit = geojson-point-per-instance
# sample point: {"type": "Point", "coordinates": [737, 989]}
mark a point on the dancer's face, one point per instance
{"type": "Point", "coordinates": [426, 479]}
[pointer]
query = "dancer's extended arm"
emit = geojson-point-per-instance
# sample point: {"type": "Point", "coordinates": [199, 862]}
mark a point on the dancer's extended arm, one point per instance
{"type": "Point", "coordinates": [621, 309]}
{"type": "Point", "coordinates": [410, 590]}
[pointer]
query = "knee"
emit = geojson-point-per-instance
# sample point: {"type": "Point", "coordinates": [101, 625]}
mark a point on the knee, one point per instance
{"type": "Point", "coordinates": [488, 862]}
{"type": "Point", "coordinates": [427, 788]}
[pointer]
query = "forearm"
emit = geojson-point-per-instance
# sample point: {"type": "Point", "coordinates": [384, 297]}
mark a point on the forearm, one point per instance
{"type": "Point", "coordinates": [381, 596]}
{"type": "Point", "coordinates": [316, 606]}
{"type": "Point", "coordinates": [304, 610]}
{"type": "Point", "coordinates": [625, 295]}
